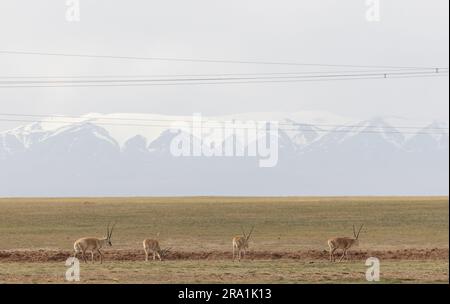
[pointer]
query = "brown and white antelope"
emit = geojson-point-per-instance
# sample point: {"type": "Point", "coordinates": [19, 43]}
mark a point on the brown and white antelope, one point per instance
{"type": "Point", "coordinates": [152, 246]}
{"type": "Point", "coordinates": [240, 244]}
{"type": "Point", "coordinates": [344, 243]}
{"type": "Point", "coordinates": [93, 245]}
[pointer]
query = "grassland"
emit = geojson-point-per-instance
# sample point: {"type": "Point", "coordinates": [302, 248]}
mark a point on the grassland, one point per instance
{"type": "Point", "coordinates": [281, 271]}
{"type": "Point", "coordinates": [207, 224]}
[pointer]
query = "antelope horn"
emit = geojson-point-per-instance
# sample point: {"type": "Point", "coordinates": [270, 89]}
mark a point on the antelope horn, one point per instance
{"type": "Point", "coordinates": [112, 228]}
{"type": "Point", "coordinates": [359, 231]}
{"type": "Point", "coordinates": [107, 230]}
{"type": "Point", "coordinates": [166, 251]}
{"type": "Point", "coordinates": [354, 231]}
{"type": "Point", "coordinates": [250, 232]}
{"type": "Point", "coordinates": [243, 232]}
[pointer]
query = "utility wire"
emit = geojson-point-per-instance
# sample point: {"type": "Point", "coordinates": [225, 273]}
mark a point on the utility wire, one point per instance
{"type": "Point", "coordinates": [222, 61]}
{"type": "Point", "coordinates": [148, 84]}
{"type": "Point", "coordinates": [94, 118]}
{"type": "Point", "coordinates": [333, 76]}
{"type": "Point", "coordinates": [223, 127]}
{"type": "Point", "coordinates": [207, 75]}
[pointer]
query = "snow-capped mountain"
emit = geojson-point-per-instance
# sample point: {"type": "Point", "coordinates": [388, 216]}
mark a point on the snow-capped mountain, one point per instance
{"type": "Point", "coordinates": [130, 154]}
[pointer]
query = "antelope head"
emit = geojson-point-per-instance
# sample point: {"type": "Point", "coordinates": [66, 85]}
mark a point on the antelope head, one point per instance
{"type": "Point", "coordinates": [247, 236]}
{"type": "Point", "coordinates": [164, 252]}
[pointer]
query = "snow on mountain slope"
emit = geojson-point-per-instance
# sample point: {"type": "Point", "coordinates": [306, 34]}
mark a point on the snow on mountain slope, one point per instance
{"type": "Point", "coordinates": [423, 141]}
{"type": "Point", "coordinates": [128, 154]}
{"type": "Point", "coordinates": [307, 129]}
{"type": "Point", "coordinates": [123, 126]}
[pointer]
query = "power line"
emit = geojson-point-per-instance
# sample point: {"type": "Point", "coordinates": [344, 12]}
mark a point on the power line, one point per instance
{"type": "Point", "coordinates": [222, 61]}
{"type": "Point", "coordinates": [323, 76]}
{"type": "Point", "coordinates": [237, 128]}
{"type": "Point", "coordinates": [206, 75]}
{"type": "Point", "coordinates": [215, 121]}
{"type": "Point", "coordinates": [213, 82]}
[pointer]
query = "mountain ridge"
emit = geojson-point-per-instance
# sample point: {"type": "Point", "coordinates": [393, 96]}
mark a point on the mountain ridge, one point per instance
{"type": "Point", "coordinates": [83, 158]}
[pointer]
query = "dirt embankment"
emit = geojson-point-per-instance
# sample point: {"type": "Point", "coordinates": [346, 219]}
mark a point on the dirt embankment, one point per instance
{"type": "Point", "coordinates": [136, 255]}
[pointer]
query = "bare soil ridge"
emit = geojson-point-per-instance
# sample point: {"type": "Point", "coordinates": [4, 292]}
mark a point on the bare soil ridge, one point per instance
{"type": "Point", "coordinates": [138, 255]}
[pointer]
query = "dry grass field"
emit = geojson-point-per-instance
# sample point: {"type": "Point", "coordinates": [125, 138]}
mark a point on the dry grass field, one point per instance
{"type": "Point", "coordinates": [409, 235]}
{"type": "Point", "coordinates": [222, 271]}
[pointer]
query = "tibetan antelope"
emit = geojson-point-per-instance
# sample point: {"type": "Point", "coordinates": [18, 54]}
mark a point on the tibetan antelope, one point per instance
{"type": "Point", "coordinates": [152, 246]}
{"type": "Point", "coordinates": [240, 244]}
{"type": "Point", "coordinates": [344, 243]}
{"type": "Point", "coordinates": [92, 245]}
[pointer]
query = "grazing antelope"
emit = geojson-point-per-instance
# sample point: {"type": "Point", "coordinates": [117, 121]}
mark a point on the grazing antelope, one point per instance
{"type": "Point", "coordinates": [90, 244]}
{"type": "Point", "coordinates": [240, 244]}
{"type": "Point", "coordinates": [152, 246]}
{"type": "Point", "coordinates": [344, 243]}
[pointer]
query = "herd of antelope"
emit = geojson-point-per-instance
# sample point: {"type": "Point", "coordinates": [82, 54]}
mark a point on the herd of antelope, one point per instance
{"type": "Point", "coordinates": [240, 245]}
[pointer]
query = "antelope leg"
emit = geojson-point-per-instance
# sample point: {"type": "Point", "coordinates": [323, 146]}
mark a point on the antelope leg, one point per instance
{"type": "Point", "coordinates": [332, 257]}
{"type": "Point", "coordinates": [101, 256]}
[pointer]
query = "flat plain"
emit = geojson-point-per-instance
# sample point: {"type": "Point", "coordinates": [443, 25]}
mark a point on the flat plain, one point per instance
{"type": "Point", "coordinates": [408, 234]}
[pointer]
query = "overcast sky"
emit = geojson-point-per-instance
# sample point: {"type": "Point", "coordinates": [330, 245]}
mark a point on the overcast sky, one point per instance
{"type": "Point", "coordinates": [410, 33]}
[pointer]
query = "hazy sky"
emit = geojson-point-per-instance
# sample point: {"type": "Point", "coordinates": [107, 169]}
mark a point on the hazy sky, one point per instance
{"type": "Point", "coordinates": [410, 33]}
